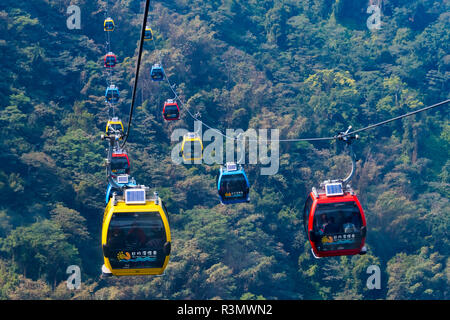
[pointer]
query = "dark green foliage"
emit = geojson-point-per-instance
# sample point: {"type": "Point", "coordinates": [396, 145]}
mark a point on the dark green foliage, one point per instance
{"type": "Point", "coordinates": [40, 250]}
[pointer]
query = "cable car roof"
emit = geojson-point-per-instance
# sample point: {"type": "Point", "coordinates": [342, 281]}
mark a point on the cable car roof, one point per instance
{"type": "Point", "coordinates": [115, 121]}
{"type": "Point", "coordinates": [123, 179]}
{"type": "Point", "coordinates": [191, 136]}
{"type": "Point", "coordinates": [137, 195]}
{"type": "Point", "coordinates": [120, 155]}
{"type": "Point", "coordinates": [170, 101]}
{"type": "Point", "coordinates": [331, 189]}
{"type": "Point", "coordinates": [231, 166]}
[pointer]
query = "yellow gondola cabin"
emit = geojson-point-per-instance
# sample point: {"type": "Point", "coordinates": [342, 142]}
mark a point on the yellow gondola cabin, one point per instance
{"type": "Point", "coordinates": [192, 147]}
{"type": "Point", "coordinates": [108, 24]}
{"type": "Point", "coordinates": [148, 34]}
{"type": "Point", "coordinates": [114, 126]}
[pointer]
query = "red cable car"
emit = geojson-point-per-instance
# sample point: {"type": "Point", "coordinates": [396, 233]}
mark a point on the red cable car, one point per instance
{"type": "Point", "coordinates": [110, 60]}
{"type": "Point", "coordinates": [334, 221]}
{"type": "Point", "coordinates": [120, 163]}
{"type": "Point", "coordinates": [171, 111]}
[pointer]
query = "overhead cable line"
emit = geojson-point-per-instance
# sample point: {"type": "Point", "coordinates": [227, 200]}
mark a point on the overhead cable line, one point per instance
{"type": "Point", "coordinates": [401, 117]}
{"type": "Point", "coordinates": [339, 136]}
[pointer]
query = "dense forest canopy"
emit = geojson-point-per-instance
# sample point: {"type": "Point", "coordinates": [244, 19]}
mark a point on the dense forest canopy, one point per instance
{"type": "Point", "coordinates": [307, 68]}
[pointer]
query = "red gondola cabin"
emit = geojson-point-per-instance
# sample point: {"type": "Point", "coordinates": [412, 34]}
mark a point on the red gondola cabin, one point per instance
{"type": "Point", "coordinates": [334, 221]}
{"type": "Point", "coordinates": [120, 163]}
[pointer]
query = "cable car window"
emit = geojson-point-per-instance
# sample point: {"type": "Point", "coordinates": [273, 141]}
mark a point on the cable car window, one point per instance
{"type": "Point", "coordinates": [148, 34]}
{"type": "Point", "coordinates": [109, 26]}
{"type": "Point", "coordinates": [136, 240]}
{"type": "Point", "coordinates": [157, 73]}
{"type": "Point", "coordinates": [171, 111]}
{"type": "Point", "coordinates": [112, 94]}
{"type": "Point", "coordinates": [115, 127]}
{"type": "Point", "coordinates": [233, 185]}
{"type": "Point", "coordinates": [110, 60]}
{"type": "Point", "coordinates": [337, 217]}
{"type": "Point", "coordinates": [338, 226]}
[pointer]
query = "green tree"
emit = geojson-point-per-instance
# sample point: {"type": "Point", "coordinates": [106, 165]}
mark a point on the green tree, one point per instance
{"type": "Point", "coordinates": [420, 276]}
{"type": "Point", "coordinates": [40, 251]}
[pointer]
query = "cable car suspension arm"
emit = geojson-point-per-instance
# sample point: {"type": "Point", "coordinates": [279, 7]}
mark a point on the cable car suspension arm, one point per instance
{"type": "Point", "coordinates": [348, 139]}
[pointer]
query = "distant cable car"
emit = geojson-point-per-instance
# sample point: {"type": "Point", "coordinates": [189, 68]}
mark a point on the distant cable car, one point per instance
{"type": "Point", "coordinates": [110, 60]}
{"type": "Point", "coordinates": [233, 185]}
{"type": "Point", "coordinates": [114, 126]}
{"type": "Point", "coordinates": [191, 147]}
{"type": "Point", "coordinates": [171, 111]}
{"type": "Point", "coordinates": [157, 72]}
{"type": "Point", "coordinates": [119, 163]}
{"type": "Point", "coordinates": [108, 24]}
{"type": "Point", "coordinates": [117, 185]}
{"type": "Point", "coordinates": [136, 236]}
{"type": "Point", "coordinates": [333, 218]}
{"type": "Point", "coordinates": [112, 94]}
{"type": "Point", "coordinates": [148, 35]}
{"type": "Point", "coordinates": [334, 221]}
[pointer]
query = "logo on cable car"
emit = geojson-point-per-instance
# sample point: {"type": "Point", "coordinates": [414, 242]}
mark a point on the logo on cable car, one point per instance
{"type": "Point", "coordinates": [327, 239]}
{"type": "Point", "coordinates": [234, 194]}
{"type": "Point", "coordinates": [137, 256]}
{"type": "Point", "coordinates": [123, 256]}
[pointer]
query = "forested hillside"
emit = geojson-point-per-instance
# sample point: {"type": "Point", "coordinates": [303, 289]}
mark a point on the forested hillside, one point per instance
{"type": "Point", "coordinates": [309, 68]}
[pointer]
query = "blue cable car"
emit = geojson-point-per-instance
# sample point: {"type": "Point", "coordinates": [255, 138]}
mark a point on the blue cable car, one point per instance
{"type": "Point", "coordinates": [112, 94]}
{"type": "Point", "coordinates": [157, 72]}
{"type": "Point", "coordinates": [233, 185]}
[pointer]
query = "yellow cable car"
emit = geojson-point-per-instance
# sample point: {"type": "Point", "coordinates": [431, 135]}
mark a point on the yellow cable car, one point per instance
{"type": "Point", "coordinates": [135, 234]}
{"type": "Point", "coordinates": [114, 126]}
{"type": "Point", "coordinates": [148, 35]}
{"type": "Point", "coordinates": [192, 147]}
